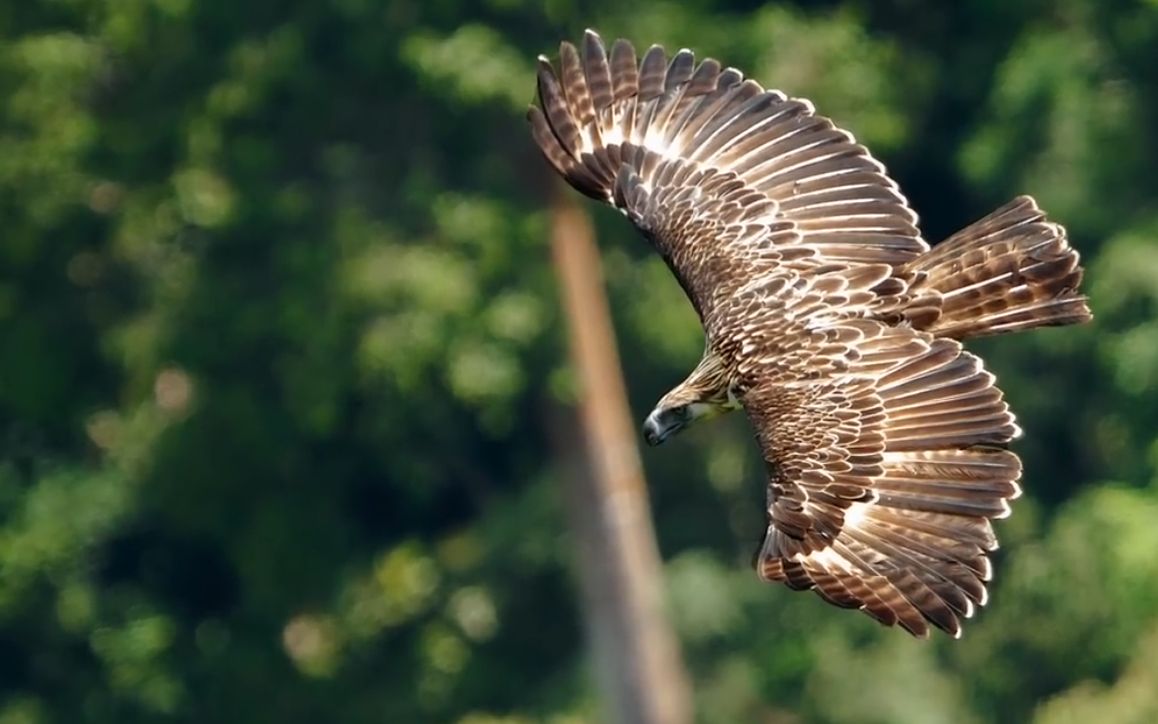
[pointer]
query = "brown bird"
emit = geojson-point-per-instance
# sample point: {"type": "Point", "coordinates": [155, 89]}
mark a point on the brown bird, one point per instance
{"type": "Point", "coordinates": [828, 319]}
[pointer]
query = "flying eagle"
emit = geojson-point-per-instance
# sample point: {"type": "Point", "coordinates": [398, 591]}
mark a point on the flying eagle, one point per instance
{"type": "Point", "coordinates": [827, 317]}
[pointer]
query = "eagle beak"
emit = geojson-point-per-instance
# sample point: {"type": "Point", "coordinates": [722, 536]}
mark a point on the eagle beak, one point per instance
{"type": "Point", "coordinates": [654, 429]}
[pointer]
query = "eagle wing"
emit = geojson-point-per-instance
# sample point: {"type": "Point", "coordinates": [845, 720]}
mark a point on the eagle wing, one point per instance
{"type": "Point", "coordinates": [884, 473]}
{"type": "Point", "coordinates": [706, 163]}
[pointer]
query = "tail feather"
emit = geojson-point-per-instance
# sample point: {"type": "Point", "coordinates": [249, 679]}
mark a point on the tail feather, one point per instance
{"type": "Point", "coordinates": [1010, 271]}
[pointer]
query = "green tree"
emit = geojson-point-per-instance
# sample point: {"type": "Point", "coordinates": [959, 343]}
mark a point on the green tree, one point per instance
{"type": "Point", "coordinates": [280, 363]}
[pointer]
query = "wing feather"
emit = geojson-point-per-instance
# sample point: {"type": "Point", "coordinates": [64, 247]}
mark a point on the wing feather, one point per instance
{"type": "Point", "coordinates": [624, 72]}
{"type": "Point", "coordinates": [598, 75]}
{"type": "Point", "coordinates": [678, 125]}
{"type": "Point", "coordinates": [888, 473]}
{"type": "Point", "coordinates": [652, 72]}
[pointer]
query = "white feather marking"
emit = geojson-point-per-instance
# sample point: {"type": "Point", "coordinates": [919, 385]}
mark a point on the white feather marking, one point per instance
{"type": "Point", "coordinates": [988, 280]}
{"type": "Point", "coordinates": [855, 513]}
{"type": "Point", "coordinates": [1016, 488]}
{"type": "Point", "coordinates": [763, 148]}
{"type": "Point", "coordinates": [587, 134]}
{"type": "Point", "coordinates": [799, 208]}
{"type": "Point", "coordinates": [797, 194]}
{"type": "Point", "coordinates": [735, 141]}
{"type": "Point", "coordinates": [893, 458]}
{"type": "Point", "coordinates": [827, 558]}
{"type": "Point", "coordinates": [885, 181]}
{"type": "Point", "coordinates": [822, 321]}
{"type": "Point", "coordinates": [653, 141]}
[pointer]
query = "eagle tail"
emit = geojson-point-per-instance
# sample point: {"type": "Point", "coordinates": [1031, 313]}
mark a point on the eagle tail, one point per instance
{"type": "Point", "coordinates": [1009, 271]}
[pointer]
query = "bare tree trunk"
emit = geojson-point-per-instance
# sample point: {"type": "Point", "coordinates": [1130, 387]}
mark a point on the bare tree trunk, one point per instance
{"type": "Point", "coordinates": [638, 663]}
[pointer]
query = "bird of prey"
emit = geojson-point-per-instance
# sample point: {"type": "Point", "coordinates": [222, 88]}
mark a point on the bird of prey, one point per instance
{"type": "Point", "coordinates": [827, 317]}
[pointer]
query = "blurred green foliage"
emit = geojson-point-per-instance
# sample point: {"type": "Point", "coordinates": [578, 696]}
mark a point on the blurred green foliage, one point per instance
{"type": "Point", "coordinates": [283, 388]}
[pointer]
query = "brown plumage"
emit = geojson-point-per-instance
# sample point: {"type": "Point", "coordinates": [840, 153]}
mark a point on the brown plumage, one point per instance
{"type": "Point", "coordinates": [827, 316]}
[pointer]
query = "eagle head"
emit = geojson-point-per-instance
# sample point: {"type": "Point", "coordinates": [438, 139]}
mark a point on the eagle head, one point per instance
{"type": "Point", "coordinates": [668, 418]}
{"type": "Point", "coordinates": [706, 393]}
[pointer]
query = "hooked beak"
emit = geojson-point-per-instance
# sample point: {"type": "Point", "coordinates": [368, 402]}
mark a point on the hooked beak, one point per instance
{"type": "Point", "coordinates": [656, 429]}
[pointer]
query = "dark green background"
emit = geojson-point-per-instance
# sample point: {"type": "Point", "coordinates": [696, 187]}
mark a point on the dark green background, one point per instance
{"type": "Point", "coordinates": [281, 356]}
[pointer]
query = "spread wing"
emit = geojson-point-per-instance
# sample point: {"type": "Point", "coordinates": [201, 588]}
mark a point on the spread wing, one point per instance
{"type": "Point", "coordinates": [707, 163]}
{"type": "Point", "coordinates": [883, 478]}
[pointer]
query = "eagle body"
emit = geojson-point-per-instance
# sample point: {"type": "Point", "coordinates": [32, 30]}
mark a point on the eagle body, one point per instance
{"type": "Point", "coordinates": [827, 318]}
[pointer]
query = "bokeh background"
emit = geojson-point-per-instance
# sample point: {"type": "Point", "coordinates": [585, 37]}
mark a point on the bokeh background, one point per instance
{"type": "Point", "coordinates": [284, 382]}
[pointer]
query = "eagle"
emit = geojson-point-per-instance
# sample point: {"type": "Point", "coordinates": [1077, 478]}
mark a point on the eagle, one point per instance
{"type": "Point", "coordinates": [827, 317]}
